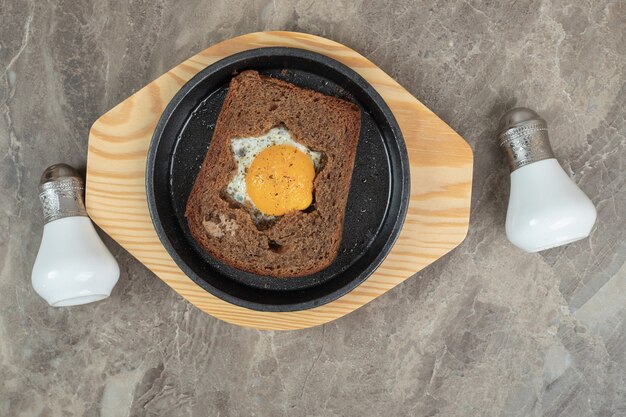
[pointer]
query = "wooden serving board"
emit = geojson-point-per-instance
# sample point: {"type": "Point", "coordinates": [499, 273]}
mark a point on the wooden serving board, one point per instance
{"type": "Point", "coordinates": [441, 183]}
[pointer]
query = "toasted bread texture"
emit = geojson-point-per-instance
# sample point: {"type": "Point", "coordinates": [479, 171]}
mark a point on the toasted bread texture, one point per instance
{"type": "Point", "coordinates": [297, 243]}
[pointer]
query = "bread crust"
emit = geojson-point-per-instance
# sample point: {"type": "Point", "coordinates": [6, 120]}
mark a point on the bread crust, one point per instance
{"type": "Point", "coordinates": [298, 243]}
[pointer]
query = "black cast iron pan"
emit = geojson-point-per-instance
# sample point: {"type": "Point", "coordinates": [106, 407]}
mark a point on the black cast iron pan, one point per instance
{"type": "Point", "coordinates": [377, 203]}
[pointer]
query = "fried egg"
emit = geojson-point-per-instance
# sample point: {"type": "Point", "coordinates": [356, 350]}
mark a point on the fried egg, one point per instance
{"type": "Point", "coordinates": [274, 173]}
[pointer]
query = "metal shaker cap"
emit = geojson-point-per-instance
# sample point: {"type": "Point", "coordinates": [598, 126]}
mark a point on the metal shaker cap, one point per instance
{"type": "Point", "coordinates": [523, 137]}
{"type": "Point", "coordinates": [61, 193]}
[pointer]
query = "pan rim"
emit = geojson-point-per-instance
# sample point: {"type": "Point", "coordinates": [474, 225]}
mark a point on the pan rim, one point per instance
{"type": "Point", "coordinates": [403, 180]}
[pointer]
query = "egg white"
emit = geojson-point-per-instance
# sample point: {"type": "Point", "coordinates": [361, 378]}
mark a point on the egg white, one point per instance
{"type": "Point", "coordinates": [244, 152]}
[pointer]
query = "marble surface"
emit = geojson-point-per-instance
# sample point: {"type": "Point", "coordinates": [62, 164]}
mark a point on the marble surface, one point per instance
{"type": "Point", "coordinates": [486, 331]}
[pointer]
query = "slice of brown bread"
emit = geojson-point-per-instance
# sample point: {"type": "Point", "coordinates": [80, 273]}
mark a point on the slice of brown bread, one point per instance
{"type": "Point", "coordinates": [300, 242]}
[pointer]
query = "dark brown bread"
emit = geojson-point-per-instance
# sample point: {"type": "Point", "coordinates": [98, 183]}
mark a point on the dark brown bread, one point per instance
{"type": "Point", "coordinates": [298, 243]}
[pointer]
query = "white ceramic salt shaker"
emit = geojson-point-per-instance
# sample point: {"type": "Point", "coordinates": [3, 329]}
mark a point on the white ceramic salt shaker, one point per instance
{"type": "Point", "coordinates": [546, 208]}
{"type": "Point", "coordinates": [73, 266]}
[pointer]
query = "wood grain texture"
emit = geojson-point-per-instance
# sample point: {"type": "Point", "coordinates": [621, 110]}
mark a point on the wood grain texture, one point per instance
{"type": "Point", "coordinates": [441, 182]}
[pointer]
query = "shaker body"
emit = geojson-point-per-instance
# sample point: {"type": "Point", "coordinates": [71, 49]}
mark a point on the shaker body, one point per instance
{"type": "Point", "coordinates": [546, 208]}
{"type": "Point", "coordinates": [73, 266]}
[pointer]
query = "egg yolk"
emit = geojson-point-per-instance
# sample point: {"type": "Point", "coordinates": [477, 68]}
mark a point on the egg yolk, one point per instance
{"type": "Point", "coordinates": [280, 180]}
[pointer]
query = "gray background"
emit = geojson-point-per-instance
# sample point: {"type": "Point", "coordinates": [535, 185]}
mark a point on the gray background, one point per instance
{"type": "Point", "coordinates": [486, 331]}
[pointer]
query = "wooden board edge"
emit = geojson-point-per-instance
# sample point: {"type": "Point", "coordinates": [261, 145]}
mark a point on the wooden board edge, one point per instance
{"type": "Point", "coordinates": [461, 144]}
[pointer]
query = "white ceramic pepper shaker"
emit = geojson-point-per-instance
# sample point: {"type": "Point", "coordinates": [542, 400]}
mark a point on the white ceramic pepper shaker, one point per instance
{"type": "Point", "coordinates": [546, 208]}
{"type": "Point", "coordinates": [73, 266]}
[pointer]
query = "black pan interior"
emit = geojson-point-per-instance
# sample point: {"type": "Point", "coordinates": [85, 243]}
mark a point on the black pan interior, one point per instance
{"type": "Point", "coordinates": [376, 204]}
